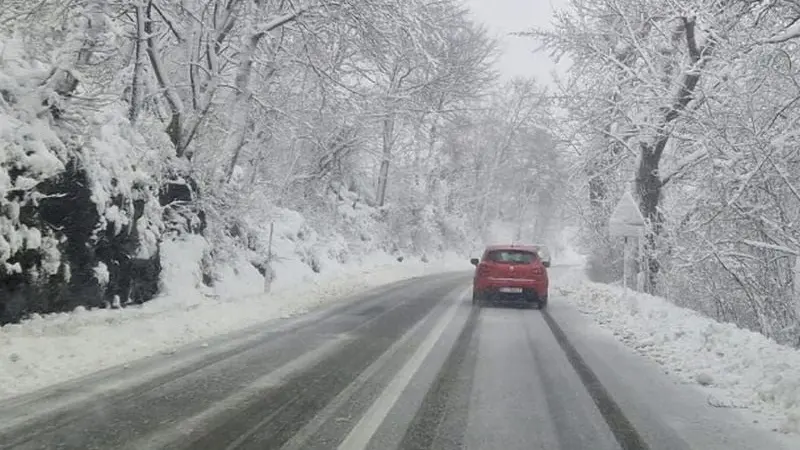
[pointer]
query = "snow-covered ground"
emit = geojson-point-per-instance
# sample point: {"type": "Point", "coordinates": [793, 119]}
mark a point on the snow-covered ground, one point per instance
{"type": "Point", "coordinates": [736, 368]}
{"type": "Point", "coordinates": [49, 349]}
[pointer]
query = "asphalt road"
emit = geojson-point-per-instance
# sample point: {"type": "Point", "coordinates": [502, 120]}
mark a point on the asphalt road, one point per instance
{"type": "Point", "coordinates": [412, 365]}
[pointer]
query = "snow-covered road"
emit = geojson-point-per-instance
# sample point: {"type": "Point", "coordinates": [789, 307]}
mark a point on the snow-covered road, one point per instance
{"type": "Point", "coordinates": [50, 349]}
{"type": "Point", "coordinates": [409, 365]}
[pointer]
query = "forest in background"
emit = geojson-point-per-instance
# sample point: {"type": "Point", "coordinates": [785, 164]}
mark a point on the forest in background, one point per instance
{"type": "Point", "coordinates": [353, 126]}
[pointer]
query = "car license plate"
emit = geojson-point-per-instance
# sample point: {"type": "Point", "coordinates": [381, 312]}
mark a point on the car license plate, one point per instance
{"type": "Point", "coordinates": [510, 290]}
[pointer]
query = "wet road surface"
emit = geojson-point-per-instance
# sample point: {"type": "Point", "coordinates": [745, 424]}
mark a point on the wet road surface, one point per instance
{"type": "Point", "coordinates": [412, 365]}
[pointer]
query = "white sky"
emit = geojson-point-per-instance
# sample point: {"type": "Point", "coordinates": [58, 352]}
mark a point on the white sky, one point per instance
{"type": "Point", "coordinates": [502, 17]}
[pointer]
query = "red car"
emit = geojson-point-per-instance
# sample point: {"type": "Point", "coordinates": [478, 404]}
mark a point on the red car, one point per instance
{"type": "Point", "coordinates": [511, 273]}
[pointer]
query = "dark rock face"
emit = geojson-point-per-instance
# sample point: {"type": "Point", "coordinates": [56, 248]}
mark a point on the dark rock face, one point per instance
{"type": "Point", "coordinates": [61, 207]}
{"type": "Point", "coordinates": [177, 197]}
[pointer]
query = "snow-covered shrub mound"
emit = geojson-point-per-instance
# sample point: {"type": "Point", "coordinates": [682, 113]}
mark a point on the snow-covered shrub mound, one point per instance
{"type": "Point", "coordinates": [79, 218]}
{"type": "Point", "coordinates": [334, 231]}
{"type": "Point", "coordinates": [748, 368]}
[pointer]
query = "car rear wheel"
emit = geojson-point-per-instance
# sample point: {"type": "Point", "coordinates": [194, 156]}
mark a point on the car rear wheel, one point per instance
{"type": "Point", "coordinates": [531, 301]}
{"type": "Point", "coordinates": [543, 303]}
{"type": "Point", "coordinates": [477, 298]}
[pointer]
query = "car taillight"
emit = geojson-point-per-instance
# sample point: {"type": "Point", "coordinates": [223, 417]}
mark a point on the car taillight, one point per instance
{"type": "Point", "coordinates": [483, 269]}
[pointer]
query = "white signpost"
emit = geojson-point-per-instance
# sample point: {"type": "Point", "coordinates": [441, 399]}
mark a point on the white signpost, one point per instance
{"type": "Point", "coordinates": [626, 221]}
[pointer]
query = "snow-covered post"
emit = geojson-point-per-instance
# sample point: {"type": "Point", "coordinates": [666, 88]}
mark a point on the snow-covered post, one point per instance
{"type": "Point", "coordinates": [625, 262]}
{"type": "Point", "coordinates": [269, 273]}
{"type": "Point", "coordinates": [642, 266]}
{"type": "Point", "coordinates": [796, 290]}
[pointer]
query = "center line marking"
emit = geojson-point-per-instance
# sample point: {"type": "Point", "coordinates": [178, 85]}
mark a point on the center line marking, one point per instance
{"type": "Point", "coordinates": [360, 435]}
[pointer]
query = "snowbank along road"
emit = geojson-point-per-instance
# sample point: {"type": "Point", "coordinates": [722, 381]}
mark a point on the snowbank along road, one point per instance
{"type": "Point", "coordinates": [412, 365]}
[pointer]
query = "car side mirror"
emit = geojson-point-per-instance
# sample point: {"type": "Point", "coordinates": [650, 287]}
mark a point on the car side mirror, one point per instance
{"type": "Point", "coordinates": [474, 261]}
{"type": "Point", "coordinates": [546, 263]}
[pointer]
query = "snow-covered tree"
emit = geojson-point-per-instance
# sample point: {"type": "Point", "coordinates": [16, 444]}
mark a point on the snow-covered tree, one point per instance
{"type": "Point", "coordinates": [380, 124]}
{"type": "Point", "coordinates": [689, 107]}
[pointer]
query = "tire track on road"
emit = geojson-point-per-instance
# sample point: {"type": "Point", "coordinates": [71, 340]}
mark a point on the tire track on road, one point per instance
{"type": "Point", "coordinates": [426, 426]}
{"type": "Point", "coordinates": [37, 421]}
{"type": "Point", "coordinates": [272, 420]}
{"type": "Point", "coordinates": [626, 434]}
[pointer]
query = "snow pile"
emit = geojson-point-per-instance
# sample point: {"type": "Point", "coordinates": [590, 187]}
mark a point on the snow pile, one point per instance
{"type": "Point", "coordinates": [181, 265]}
{"type": "Point", "coordinates": [44, 350]}
{"type": "Point", "coordinates": [738, 368]}
{"type": "Point", "coordinates": [119, 163]}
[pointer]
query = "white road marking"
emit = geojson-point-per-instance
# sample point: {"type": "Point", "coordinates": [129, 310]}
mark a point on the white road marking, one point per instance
{"type": "Point", "coordinates": [360, 435]}
{"type": "Point", "coordinates": [298, 441]}
{"type": "Point", "coordinates": [87, 390]}
{"type": "Point", "coordinates": [248, 393]}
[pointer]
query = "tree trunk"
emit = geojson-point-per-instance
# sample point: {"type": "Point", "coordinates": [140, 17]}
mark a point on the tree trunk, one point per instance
{"type": "Point", "coordinates": [138, 67]}
{"type": "Point", "coordinates": [388, 141]}
{"type": "Point", "coordinates": [648, 180]}
{"type": "Point", "coordinates": [648, 188]}
{"type": "Point", "coordinates": [175, 126]}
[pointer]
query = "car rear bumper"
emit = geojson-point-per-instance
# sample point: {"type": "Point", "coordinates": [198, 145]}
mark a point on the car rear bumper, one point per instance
{"type": "Point", "coordinates": [537, 288]}
{"type": "Point", "coordinates": [495, 295]}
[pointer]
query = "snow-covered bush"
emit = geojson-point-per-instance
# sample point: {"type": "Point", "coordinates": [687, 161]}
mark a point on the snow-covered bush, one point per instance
{"type": "Point", "coordinates": [79, 219]}
{"type": "Point", "coordinates": [342, 229]}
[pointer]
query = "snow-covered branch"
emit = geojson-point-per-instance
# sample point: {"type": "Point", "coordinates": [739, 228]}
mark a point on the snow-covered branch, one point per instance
{"type": "Point", "coordinates": [768, 246]}
{"type": "Point", "coordinates": [791, 32]}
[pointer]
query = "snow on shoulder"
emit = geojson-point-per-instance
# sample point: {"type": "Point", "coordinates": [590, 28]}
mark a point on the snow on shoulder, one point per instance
{"type": "Point", "coordinates": [739, 368]}
{"type": "Point", "coordinates": [48, 349]}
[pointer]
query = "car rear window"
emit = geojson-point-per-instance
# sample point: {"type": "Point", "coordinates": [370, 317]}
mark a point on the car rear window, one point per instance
{"type": "Point", "coordinates": [510, 256]}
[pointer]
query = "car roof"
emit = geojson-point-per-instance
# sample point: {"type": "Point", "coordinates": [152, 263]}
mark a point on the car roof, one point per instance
{"type": "Point", "coordinates": [524, 247]}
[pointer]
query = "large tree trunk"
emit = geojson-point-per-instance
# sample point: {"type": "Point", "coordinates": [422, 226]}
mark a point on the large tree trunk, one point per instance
{"type": "Point", "coordinates": [648, 181]}
{"type": "Point", "coordinates": [648, 188]}
{"type": "Point", "coordinates": [175, 126]}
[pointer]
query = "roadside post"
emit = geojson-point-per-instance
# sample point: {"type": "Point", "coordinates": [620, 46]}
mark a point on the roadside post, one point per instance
{"type": "Point", "coordinates": [796, 285]}
{"type": "Point", "coordinates": [626, 222]}
{"type": "Point", "coordinates": [269, 274]}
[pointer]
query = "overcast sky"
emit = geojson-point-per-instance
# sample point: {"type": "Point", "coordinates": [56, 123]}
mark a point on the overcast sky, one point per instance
{"type": "Point", "coordinates": [508, 16]}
